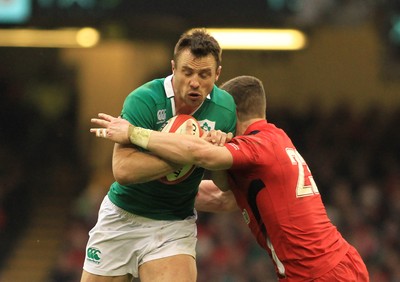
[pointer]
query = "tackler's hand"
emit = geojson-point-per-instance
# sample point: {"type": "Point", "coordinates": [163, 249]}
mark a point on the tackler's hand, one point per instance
{"type": "Point", "coordinates": [217, 137]}
{"type": "Point", "coordinates": [112, 128]}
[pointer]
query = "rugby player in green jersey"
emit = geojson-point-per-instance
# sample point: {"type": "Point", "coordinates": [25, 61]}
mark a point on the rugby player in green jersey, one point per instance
{"type": "Point", "coordinates": [147, 228]}
{"type": "Point", "coordinates": [267, 178]}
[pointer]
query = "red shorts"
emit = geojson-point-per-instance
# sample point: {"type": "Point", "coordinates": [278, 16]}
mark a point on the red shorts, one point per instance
{"type": "Point", "coordinates": [350, 268]}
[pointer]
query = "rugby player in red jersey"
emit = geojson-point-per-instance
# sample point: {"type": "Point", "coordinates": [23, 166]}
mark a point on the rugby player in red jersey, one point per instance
{"type": "Point", "coordinates": [270, 181]}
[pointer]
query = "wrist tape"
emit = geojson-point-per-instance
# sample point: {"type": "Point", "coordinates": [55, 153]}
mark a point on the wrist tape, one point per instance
{"type": "Point", "coordinates": [139, 136]}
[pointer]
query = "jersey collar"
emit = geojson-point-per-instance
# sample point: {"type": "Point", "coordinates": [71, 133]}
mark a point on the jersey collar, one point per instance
{"type": "Point", "coordinates": [169, 91]}
{"type": "Point", "coordinates": [255, 126]}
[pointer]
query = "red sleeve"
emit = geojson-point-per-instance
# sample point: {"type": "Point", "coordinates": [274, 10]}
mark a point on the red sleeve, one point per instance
{"type": "Point", "coordinates": [244, 151]}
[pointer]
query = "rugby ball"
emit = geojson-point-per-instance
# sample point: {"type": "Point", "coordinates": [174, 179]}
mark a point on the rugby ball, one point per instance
{"type": "Point", "coordinates": [177, 124]}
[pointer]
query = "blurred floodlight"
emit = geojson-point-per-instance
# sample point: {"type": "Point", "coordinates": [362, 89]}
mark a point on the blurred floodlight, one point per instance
{"type": "Point", "coordinates": [60, 38]}
{"type": "Point", "coordinates": [87, 37]}
{"type": "Point", "coordinates": [259, 39]}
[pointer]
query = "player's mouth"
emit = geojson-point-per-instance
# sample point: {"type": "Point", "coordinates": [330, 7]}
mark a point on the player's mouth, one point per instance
{"type": "Point", "coordinates": [194, 95]}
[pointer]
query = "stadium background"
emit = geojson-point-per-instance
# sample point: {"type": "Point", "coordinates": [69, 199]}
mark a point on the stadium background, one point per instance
{"type": "Point", "coordinates": [339, 100]}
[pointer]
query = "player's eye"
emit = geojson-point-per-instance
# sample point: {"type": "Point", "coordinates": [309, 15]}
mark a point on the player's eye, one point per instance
{"type": "Point", "coordinates": [205, 75]}
{"type": "Point", "coordinates": [188, 73]}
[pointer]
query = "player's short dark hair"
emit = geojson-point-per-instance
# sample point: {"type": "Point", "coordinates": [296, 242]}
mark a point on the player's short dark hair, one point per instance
{"type": "Point", "coordinates": [249, 95]}
{"type": "Point", "coordinates": [200, 43]}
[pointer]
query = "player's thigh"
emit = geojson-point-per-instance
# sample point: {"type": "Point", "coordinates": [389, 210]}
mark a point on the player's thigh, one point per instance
{"type": "Point", "coordinates": [177, 268]}
{"type": "Point", "coordinates": [350, 269]}
{"type": "Point", "coordinates": [89, 277]}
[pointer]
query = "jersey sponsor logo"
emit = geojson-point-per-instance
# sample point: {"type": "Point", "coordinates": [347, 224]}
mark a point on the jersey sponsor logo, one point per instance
{"type": "Point", "coordinates": [161, 115]}
{"type": "Point", "coordinates": [236, 147]}
{"type": "Point", "coordinates": [93, 255]}
{"type": "Point", "coordinates": [246, 216]}
{"type": "Point", "coordinates": [207, 125]}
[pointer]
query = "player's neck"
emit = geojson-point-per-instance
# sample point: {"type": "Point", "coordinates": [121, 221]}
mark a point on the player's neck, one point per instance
{"type": "Point", "coordinates": [243, 125]}
{"type": "Point", "coordinates": [182, 108]}
{"type": "Point", "coordinates": [187, 110]}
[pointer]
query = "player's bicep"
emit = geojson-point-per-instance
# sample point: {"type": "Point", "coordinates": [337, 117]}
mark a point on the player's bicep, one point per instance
{"type": "Point", "coordinates": [119, 159]}
{"type": "Point", "coordinates": [131, 165]}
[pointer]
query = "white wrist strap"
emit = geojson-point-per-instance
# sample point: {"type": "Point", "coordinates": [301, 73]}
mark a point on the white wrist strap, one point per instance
{"type": "Point", "coordinates": [139, 136]}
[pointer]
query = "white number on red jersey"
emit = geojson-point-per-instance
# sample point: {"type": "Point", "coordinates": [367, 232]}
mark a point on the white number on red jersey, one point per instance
{"type": "Point", "coordinates": [306, 185]}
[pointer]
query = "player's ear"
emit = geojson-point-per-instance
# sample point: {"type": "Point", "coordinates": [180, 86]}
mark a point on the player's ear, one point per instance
{"type": "Point", "coordinates": [172, 66]}
{"type": "Point", "coordinates": [217, 73]}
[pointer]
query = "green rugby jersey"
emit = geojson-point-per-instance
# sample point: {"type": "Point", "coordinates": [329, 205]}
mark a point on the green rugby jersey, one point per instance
{"type": "Point", "coordinates": [150, 106]}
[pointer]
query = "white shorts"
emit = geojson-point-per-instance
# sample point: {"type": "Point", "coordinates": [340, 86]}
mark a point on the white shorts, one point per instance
{"type": "Point", "coordinates": [121, 241]}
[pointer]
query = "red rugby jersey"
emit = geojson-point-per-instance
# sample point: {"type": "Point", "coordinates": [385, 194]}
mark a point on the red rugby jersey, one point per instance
{"type": "Point", "coordinates": [281, 204]}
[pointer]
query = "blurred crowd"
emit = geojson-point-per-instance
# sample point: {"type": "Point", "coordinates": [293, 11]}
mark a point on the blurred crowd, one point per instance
{"type": "Point", "coordinates": [354, 158]}
{"type": "Point", "coordinates": [38, 115]}
{"type": "Point", "coordinates": [356, 163]}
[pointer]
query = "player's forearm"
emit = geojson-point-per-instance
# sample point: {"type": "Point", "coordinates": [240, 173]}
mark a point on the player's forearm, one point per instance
{"type": "Point", "coordinates": [181, 149]}
{"type": "Point", "coordinates": [132, 166]}
{"type": "Point", "coordinates": [220, 178]}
